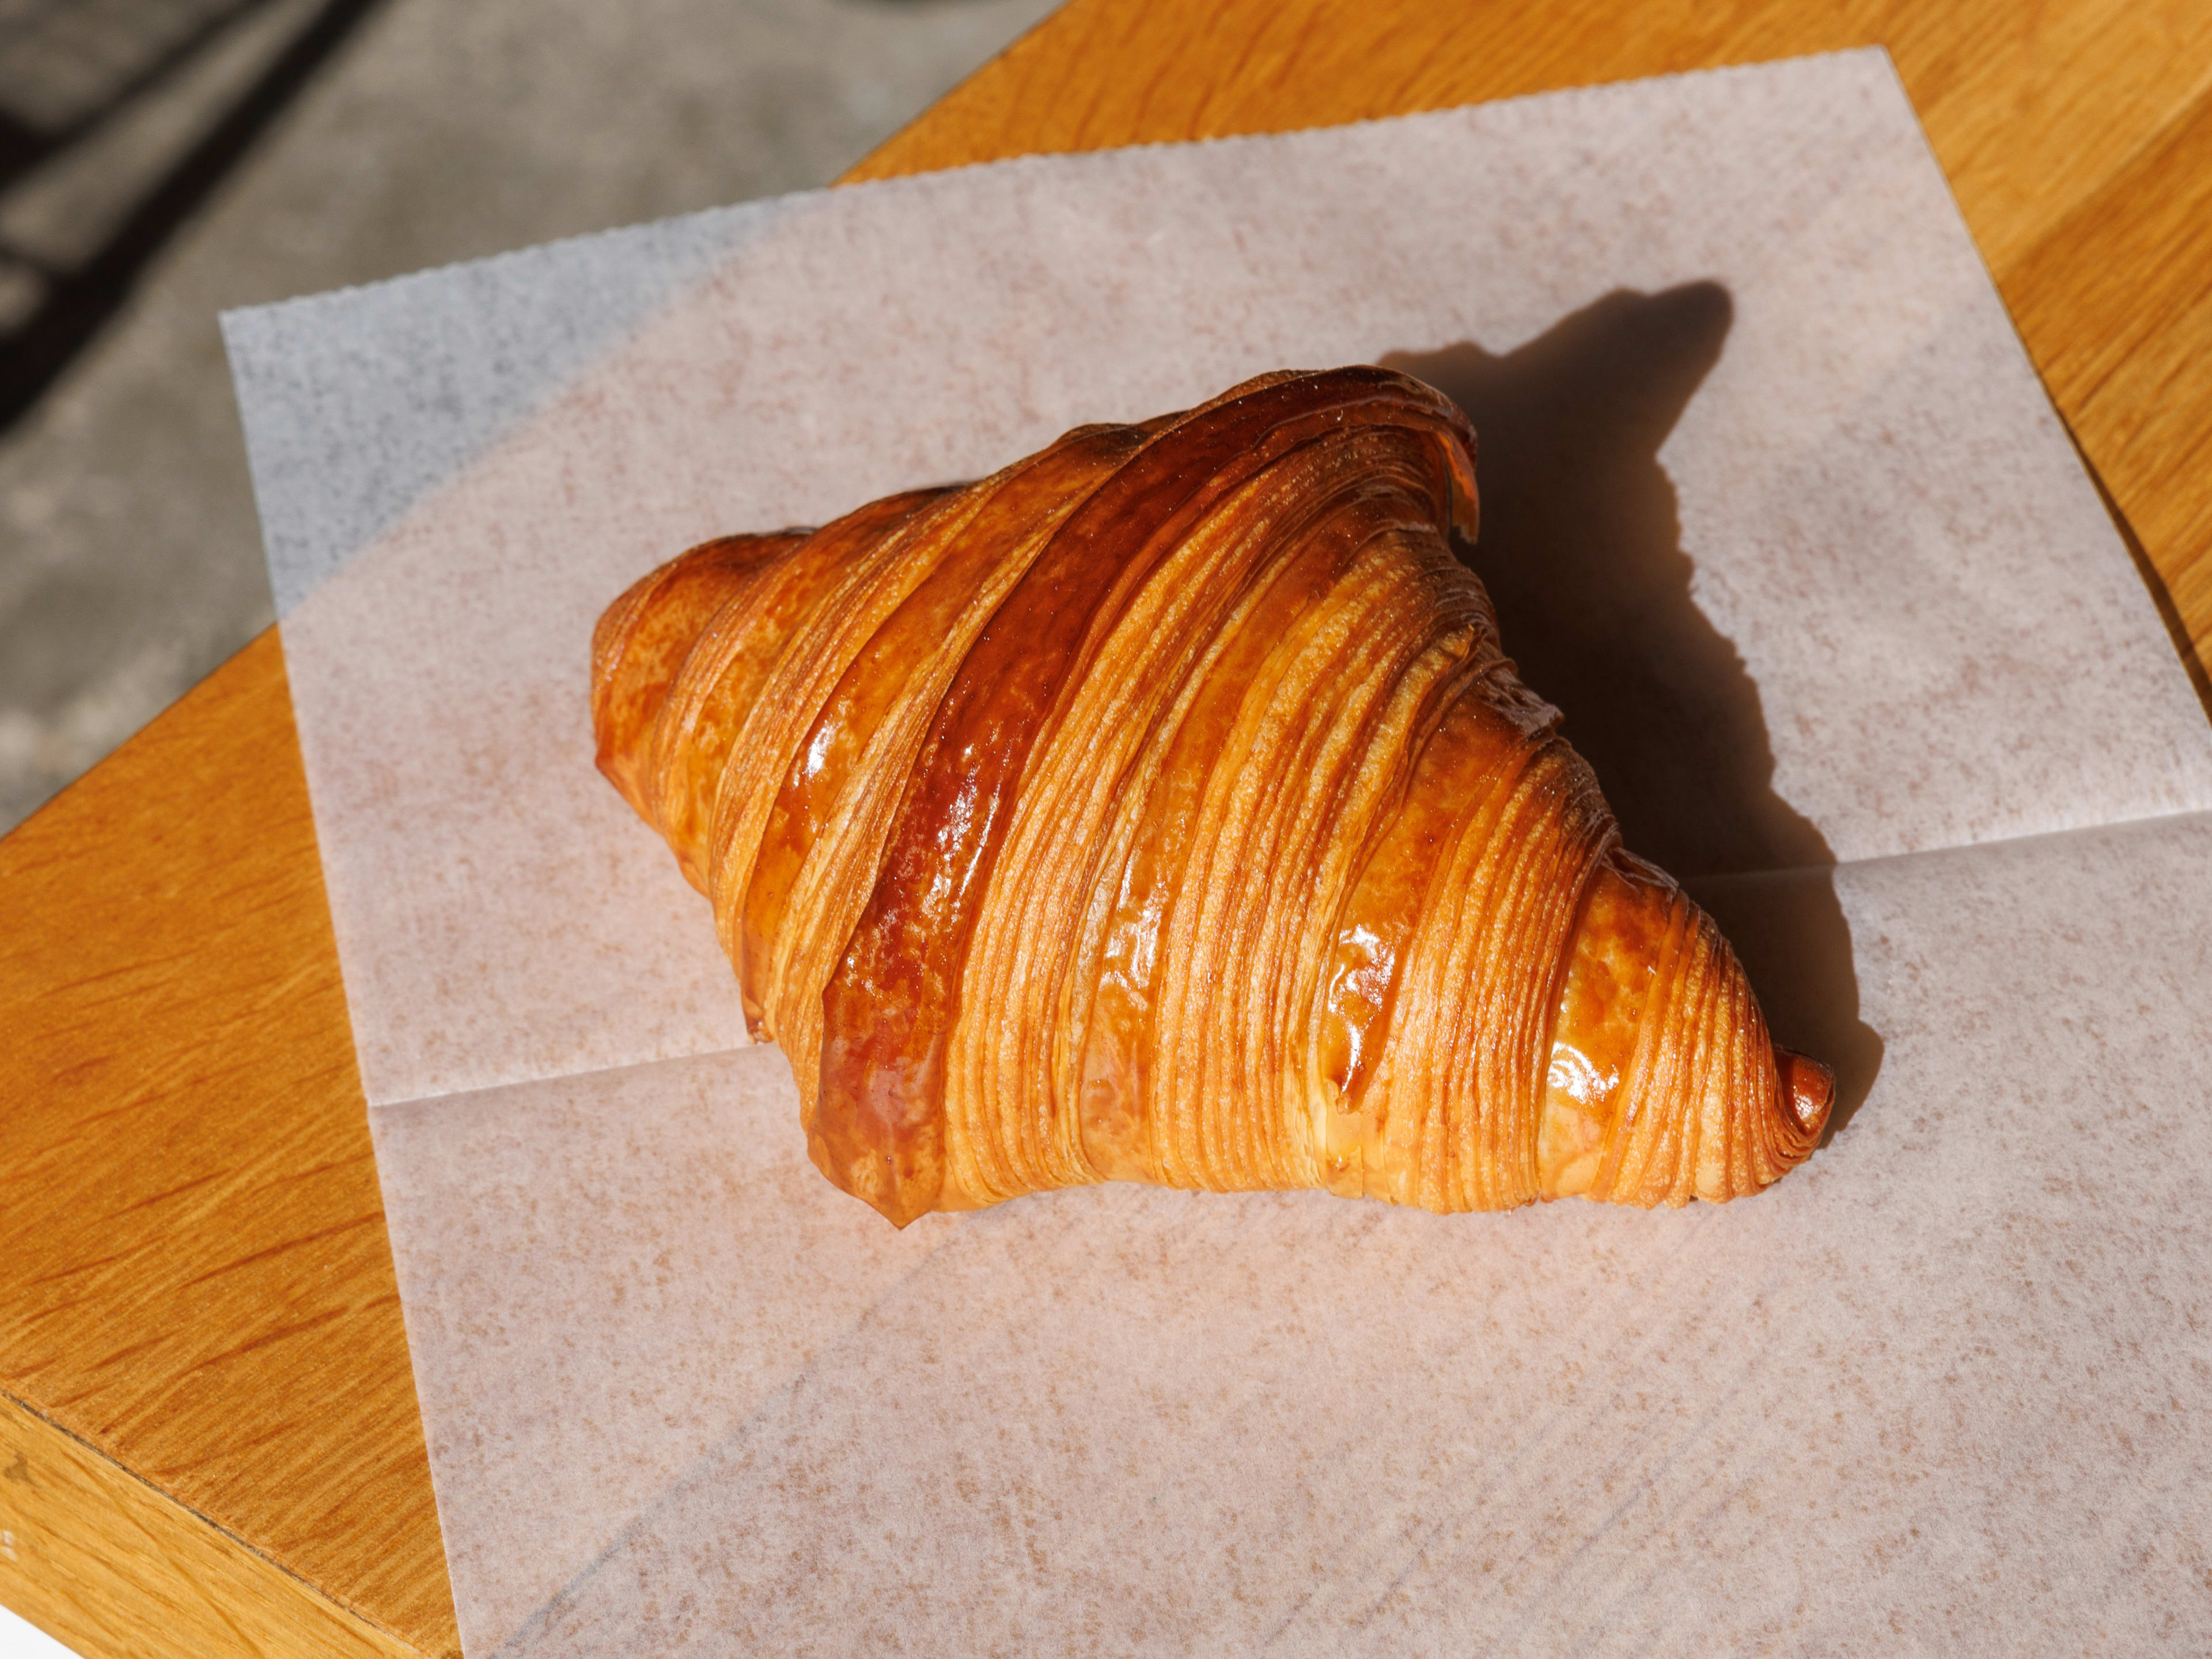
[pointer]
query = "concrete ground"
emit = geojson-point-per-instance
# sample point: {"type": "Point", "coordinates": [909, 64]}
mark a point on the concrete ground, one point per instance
{"type": "Point", "coordinates": [130, 558]}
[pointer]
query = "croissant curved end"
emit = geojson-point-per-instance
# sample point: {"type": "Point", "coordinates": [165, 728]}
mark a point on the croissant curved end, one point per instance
{"type": "Point", "coordinates": [1809, 1090]}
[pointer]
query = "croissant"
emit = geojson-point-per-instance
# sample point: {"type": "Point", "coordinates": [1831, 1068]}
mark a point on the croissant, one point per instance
{"type": "Point", "coordinates": [1162, 808]}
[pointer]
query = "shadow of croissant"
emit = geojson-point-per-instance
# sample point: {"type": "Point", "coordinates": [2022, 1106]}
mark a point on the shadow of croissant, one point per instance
{"type": "Point", "coordinates": [1580, 546]}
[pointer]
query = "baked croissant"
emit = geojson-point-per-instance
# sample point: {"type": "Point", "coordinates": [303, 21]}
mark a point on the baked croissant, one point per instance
{"type": "Point", "coordinates": [1162, 808]}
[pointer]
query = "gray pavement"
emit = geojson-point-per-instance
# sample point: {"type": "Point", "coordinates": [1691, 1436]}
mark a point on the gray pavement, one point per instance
{"type": "Point", "coordinates": [129, 559]}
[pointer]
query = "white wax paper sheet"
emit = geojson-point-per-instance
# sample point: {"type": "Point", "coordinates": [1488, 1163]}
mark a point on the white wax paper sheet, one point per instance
{"type": "Point", "coordinates": [1807, 472]}
{"type": "Point", "coordinates": [1940, 1391]}
{"type": "Point", "coordinates": [1773, 506]}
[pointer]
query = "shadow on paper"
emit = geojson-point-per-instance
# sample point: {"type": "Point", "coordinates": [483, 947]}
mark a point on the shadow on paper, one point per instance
{"type": "Point", "coordinates": [1580, 547]}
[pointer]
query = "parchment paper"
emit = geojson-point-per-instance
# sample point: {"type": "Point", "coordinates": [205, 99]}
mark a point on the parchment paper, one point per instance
{"type": "Point", "coordinates": [1749, 399]}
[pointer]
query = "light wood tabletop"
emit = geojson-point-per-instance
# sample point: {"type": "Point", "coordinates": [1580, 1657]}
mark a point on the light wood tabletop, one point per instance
{"type": "Point", "coordinates": [209, 1438]}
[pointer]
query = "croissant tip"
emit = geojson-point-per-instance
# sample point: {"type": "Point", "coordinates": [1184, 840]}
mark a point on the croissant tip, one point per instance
{"type": "Point", "coordinates": [1809, 1087]}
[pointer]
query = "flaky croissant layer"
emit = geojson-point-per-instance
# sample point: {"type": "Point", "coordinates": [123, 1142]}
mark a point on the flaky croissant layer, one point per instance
{"type": "Point", "coordinates": [1162, 808]}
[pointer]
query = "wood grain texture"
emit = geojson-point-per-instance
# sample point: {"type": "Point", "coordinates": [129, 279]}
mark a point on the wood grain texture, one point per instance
{"type": "Point", "coordinates": [2115, 299]}
{"type": "Point", "coordinates": [197, 1318]}
{"type": "Point", "coordinates": [110, 1563]}
{"type": "Point", "coordinates": [195, 1279]}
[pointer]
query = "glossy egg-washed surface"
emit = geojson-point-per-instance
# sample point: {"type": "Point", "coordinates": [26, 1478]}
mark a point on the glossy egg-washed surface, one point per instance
{"type": "Point", "coordinates": [1162, 808]}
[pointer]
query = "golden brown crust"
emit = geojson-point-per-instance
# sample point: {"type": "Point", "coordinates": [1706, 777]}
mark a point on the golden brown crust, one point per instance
{"type": "Point", "coordinates": [1163, 808]}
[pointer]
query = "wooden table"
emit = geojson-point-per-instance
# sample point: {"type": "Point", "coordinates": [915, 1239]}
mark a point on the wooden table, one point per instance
{"type": "Point", "coordinates": [208, 1440]}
